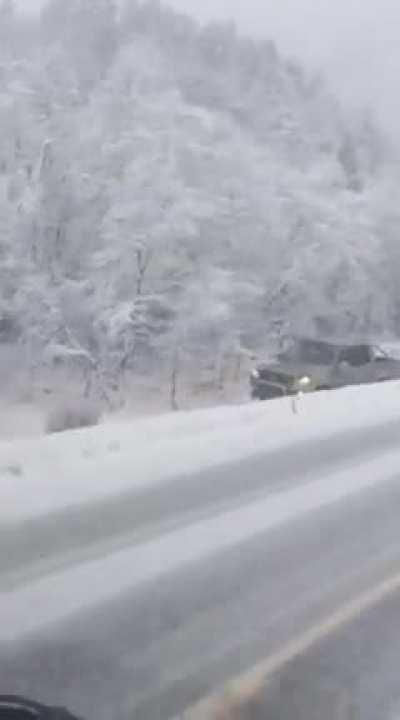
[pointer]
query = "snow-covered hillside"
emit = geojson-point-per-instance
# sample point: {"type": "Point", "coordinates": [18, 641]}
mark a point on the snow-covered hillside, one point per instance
{"type": "Point", "coordinates": [172, 196]}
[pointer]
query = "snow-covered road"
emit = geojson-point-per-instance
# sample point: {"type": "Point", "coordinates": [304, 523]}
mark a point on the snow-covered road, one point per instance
{"type": "Point", "coordinates": [59, 595]}
{"type": "Point", "coordinates": [79, 496]}
{"type": "Point", "coordinates": [150, 630]}
{"type": "Point", "coordinates": [194, 525]}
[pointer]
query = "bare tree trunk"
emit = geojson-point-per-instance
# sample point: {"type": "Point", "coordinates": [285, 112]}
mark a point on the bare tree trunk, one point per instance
{"type": "Point", "coordinates": [238, 366]}
{"type": "Point", "coordinates": [87, 382]}
{"type": "Point", "coordinates": [220, 370]}
{"type": "Point", "coordinates": [139, 282]}
{"type": "Point", "coordinates": [143, 259]}
{"type": "Point", "coordinates": [174, 381]}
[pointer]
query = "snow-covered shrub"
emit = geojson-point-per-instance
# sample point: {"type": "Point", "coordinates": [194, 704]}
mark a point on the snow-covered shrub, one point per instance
{"type": "Point", "coordinates": [72, 416]}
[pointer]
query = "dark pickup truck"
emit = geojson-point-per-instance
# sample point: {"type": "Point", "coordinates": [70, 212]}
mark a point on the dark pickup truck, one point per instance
{"type": "Point", "coordinates": [308, 365]}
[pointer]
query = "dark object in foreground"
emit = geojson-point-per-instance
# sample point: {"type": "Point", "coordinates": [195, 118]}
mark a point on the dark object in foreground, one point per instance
{"type": "Point", "coordinates": [17, 708]}
{"type": "Point", "coordinates": [309, 365]}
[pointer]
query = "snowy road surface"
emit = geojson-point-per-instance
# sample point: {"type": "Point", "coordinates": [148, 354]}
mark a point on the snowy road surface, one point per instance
{"type": "Point", "coordinates": [166, 642]}
{"type": "Point", "coordinates": [138, 606]}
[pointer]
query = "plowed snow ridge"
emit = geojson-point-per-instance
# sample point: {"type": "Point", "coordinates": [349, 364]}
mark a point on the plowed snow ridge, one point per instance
{"type": "Point", "coordinates": [45, 475]}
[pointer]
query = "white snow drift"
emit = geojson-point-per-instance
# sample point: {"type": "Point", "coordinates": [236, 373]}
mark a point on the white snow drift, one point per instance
{"type": "Point", "coordinates": [41, 476]}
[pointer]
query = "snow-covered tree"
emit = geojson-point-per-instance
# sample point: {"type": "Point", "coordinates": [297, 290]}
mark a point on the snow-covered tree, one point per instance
{"type": "Point", "coordinates": [173, 195]}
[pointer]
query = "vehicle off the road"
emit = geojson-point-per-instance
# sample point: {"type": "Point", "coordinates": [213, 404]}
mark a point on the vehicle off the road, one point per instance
{"type": "Point", "coordinates": [308, 365]}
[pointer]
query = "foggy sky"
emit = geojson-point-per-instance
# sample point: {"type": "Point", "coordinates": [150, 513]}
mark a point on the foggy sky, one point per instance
{"type": "Point", "coordinates": [354, 42]}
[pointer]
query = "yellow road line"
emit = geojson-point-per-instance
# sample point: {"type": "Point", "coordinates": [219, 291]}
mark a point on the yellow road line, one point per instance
{"type": "Point", "coordinates": [241, 690]}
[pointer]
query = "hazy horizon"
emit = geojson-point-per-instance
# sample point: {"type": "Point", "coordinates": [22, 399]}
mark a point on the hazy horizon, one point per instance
{"type": "Point", "coordinates": [354, 43]}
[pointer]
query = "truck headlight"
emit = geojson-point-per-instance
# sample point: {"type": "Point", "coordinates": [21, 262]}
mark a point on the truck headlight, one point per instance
{"type": "Point", "coordinates": [255, 375]}
{"type": "Point", "coordinates": [304, 382]}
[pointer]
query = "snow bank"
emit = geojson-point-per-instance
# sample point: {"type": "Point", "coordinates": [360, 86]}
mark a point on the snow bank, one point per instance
{"type": "Point", "coordinates": [50, 473]}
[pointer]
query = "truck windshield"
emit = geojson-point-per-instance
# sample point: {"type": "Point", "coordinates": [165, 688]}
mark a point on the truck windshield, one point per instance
{"type": "Point", "coordinates": [309, 351]}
